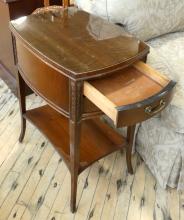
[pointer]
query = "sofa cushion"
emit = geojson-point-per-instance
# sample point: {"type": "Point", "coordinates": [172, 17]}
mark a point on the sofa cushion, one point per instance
{"type": "Point", "coordinates": [167, 56]}
{"type": "Point", "coordinates": [162, 150]}
{"type": "Point", "coordinates": [145, 19]}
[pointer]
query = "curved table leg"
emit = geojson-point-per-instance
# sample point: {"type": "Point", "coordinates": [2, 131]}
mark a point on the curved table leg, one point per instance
{"type": "Point", "coordinates": [22, 104]}
{"type": "Point", "coordinates": [130, 140]}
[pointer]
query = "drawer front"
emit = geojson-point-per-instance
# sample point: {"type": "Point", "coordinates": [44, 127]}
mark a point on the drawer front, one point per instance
{"type": "Point", "coordinates": [42, 79]}
{"type": "Point", "coordinates": [131, 96]}
{"type": "Point", "coordinates": [138, 112]}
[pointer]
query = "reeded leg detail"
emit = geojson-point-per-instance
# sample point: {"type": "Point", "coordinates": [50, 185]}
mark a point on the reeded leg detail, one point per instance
{"type": "Point", "coordinates": [130, 140]}
{"type": "Point", "coordinates": [76, 93]}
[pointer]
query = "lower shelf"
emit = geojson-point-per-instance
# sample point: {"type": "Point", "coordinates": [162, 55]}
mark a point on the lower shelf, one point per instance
{"type": "Point", "coordinates": [97, 138]}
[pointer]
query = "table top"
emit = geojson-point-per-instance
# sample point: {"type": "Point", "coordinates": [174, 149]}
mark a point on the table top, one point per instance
{"type": "Point", "coordinates": [77, 43]}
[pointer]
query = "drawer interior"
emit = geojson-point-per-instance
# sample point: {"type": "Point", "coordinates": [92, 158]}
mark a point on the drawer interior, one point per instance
{"type": "Point", "coordinates": [131, 86]}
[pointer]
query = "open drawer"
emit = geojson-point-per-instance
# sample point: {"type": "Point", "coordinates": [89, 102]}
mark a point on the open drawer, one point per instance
{"type": "Point", "coordinates": [131, 95]}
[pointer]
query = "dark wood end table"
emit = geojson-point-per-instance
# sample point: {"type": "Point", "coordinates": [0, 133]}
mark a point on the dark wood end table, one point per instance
{"type": "Point", "coordinates": [84, 67]}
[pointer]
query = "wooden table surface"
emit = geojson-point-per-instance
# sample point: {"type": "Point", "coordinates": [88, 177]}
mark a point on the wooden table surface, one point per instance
{"type": "Point", "coordinates": [77, 43]}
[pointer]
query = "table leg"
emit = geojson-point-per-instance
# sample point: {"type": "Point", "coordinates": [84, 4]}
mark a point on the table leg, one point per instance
{"type": "Point", "coordinates": [22, 104]}
{"type": "Point", "coordinates": [75, 131]}
{"type": "Point", "coordinates": [74, 155]}
{"type": "Point", "coordinates": [130, 140]}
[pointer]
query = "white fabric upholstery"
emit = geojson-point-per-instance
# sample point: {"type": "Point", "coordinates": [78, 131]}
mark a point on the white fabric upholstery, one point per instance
{"type": "Point", "coordinates": [144, 18]}
{"type": "Point", "coordinates": [160, 141]}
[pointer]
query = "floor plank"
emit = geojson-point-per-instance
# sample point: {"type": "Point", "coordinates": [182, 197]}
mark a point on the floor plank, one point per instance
{"type": "Point", "coordinates": [173, 204]}
{"type": "Point", "coordinates": [161, 211]}
{"type": "Point", "coordinates": [101, 189]}
{"type": "Point", "coordinates": [148, 199]}
{"type": "Point", "coordinates": [137, 194]}
{"type": "Point", "coordinates": [181, 205]}
{"type": "Point", "coordinates": [31, 185]}
{"type": "Point", "coordinates": [113, 189]}
{"type": "Point", "coordinates": [39, 195]}
{"type": "Point", "coordinates": [125, 192]}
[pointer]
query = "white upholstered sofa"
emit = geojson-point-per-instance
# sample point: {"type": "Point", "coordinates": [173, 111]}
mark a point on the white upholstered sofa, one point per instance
{"type": "Point", "coordinates": [159, 141]}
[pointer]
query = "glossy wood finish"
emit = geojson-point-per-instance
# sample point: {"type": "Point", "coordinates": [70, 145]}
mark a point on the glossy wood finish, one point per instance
{"type": "Point", "coordinates": [56, 52]}
{"type": "Point", "coordinates": [125, 95]}
{"type": "Point", "coordinates": [69, 40]}
{"type": "Point", "coordinates": [37, 74]}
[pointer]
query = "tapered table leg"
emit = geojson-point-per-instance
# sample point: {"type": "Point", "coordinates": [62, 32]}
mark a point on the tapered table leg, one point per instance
{"type": "Point", "coordinates": [22, 103]}
{"type": "Point", "coordinates": [74, 155]}
{"type": "Point", "coordinates": [75, 131]}
{"type": "Point", "coordinates": [130, 140]}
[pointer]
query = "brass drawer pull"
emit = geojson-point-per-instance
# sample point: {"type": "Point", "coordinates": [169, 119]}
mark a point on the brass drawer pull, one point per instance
{"type": "Point", "coordinates": [152, 111]}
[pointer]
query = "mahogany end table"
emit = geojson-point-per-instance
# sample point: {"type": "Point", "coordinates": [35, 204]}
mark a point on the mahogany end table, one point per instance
{"type": "Point", "coordinates": [84, 67]}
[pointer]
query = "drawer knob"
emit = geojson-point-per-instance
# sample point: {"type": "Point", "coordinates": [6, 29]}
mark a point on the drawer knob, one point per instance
{"type": "Point", "coordinates": [154, 110]}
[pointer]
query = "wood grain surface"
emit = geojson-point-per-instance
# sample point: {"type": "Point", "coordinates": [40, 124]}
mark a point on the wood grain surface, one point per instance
{"type": "Point", "coordinates": [81, 51]}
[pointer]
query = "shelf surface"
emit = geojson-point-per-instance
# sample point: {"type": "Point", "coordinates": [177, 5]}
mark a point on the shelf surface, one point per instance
{"type": "Point", "coordinates": [97, 138]}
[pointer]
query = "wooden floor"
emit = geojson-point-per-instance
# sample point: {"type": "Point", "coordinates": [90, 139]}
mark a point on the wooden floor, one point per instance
{"type": "Point", "coordinates": [35, 183]}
